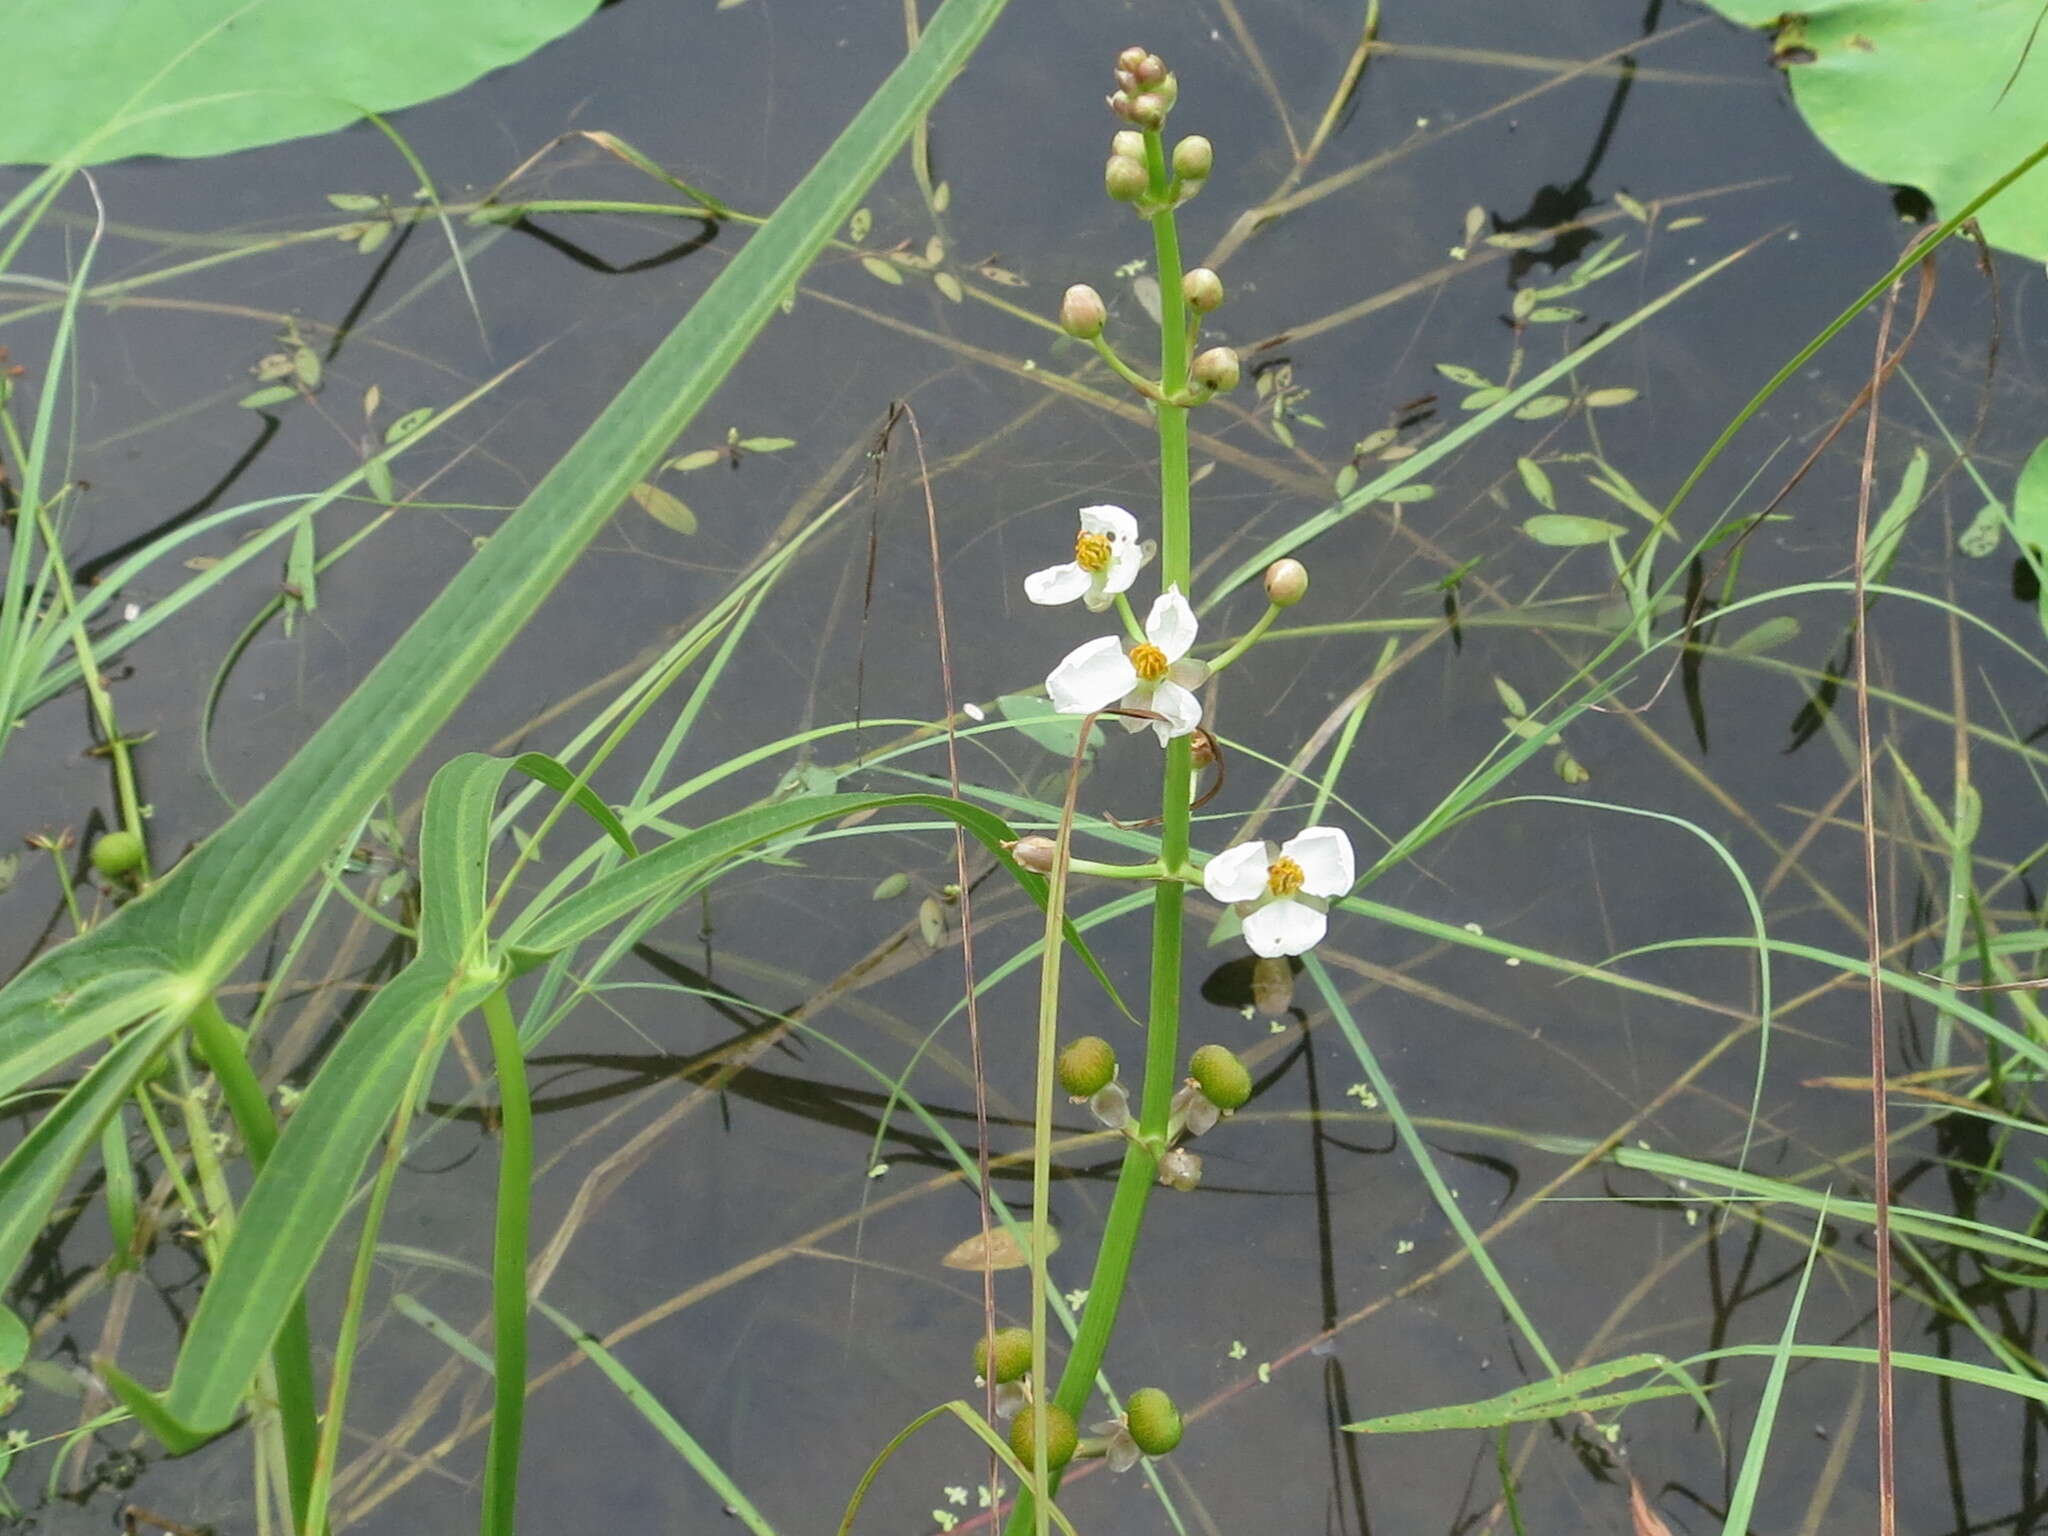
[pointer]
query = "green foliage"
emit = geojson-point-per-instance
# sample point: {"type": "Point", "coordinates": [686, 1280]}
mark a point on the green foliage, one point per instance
{"type": "Point", "coordinates": [1940, 97]}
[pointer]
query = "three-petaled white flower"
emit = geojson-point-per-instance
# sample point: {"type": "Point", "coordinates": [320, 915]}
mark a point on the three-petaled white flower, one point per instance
{"type": "Point", "coordinates": [1156, 674]}
{"type": "Point", "coordinates": [1291, 886]}
{"type": "Point", "coordinates": [1107, 558]}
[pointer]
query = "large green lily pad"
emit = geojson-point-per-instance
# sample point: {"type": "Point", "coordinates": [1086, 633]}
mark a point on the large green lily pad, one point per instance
{"type": "Point", "coordinates": [94, 80]}
{"type": "Point", "coordinates": [1924, 93]}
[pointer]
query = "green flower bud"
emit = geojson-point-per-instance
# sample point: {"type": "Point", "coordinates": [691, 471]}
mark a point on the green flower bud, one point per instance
{"type": "Point", "coordinates": [1131, 58]}
{"type": "Point", "coordinates": [117, 854]}
{"type": "Point", "coordinates": [1087, 1066]}
{"type": "Point", "coordinates": [1286, 583]}
{"type": "Point", "coordinates": [1193, 157]}
{"type": "Point", "coordinates": [1216, 369]}
{"type": "Point", "coordinates": [1124, 179]}
{"type": "Point", "coordinates": [1148, 110]}
{"type": "Point", "coordinates": [1062, 1435]}
{"type": "Point", "coordinates": [1129, 142]}
{"type": "Point", "coordinates": [1168, 91]}
{"type": "Point", "coordinates": [1202, 289]}
{"type": "Point", "coordinates": [1082, 314]}
{"type": "Point", "coordinates": [1150, 70]}
{"type": "Point", "coordinates": [1221, 1077]}
{"type": "Point", "coordinates": [1153, 1421]}
{"type": "Point", "coordinates": [1013, 1355]}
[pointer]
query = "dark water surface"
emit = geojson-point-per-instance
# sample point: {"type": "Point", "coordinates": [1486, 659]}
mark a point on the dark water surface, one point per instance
{"type": "Point", "coordinates": [808, 1317]}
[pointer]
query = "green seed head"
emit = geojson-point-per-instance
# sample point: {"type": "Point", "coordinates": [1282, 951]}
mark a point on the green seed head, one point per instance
{"type": "Point", "coordinates": [1124, 179]}
{"type": "Point", "coordinates": [116, 854]}
{"type": "Point", "coordinates": [1221, 1077]}
{"type": "Point", "coordinates": [1153, 1420]}
{"type": "Point", "coordinates": [1087, 1066]}
{"type": "Point", "coordinates": [1013, 1355]}
{"type": "Point", "coordinates": [1061, 1435]}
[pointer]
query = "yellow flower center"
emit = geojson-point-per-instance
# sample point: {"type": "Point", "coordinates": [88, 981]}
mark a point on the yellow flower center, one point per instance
{"type": "Point", "coordinates": [1091, 551]}
{"type": "Point", "coordinates": [1284, 877]}
{"type": "Point", "coordinates": [1149, 662]}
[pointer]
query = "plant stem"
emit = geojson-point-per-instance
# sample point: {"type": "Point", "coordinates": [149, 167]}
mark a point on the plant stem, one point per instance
{"type": "Point", "coordinates": [508, 1267]}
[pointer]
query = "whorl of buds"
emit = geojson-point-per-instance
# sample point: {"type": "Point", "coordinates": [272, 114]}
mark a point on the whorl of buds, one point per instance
{"type": "Point", "coordinates": [1082, 314]}
{"type": "Point", "coordinates": [1223, 1079]}
{"type": "Point", "coordinates": [1062, 1435]}
{"type": "Point", "coordinates": [1216, 369]}
{"type": "Point", "coordinates": [1202, 288]}
{"type": "Point", "coordinates": [1013, 1355]}
{"type": "Point", "coordinates": [1128, 142]}
{"type": "Point", "coordinates": [117, 854]}
{"type": "Point", "coordinates": [1286, 583]}
{"type": "Point", "coordinates": [1193, 157]}
{"type": "Point", "coordinates": [1087, 1066]}
{"type": "Point", "coordinates": [1153, 1420]}
{"type": "Point", "coordinates": [1124, 179]}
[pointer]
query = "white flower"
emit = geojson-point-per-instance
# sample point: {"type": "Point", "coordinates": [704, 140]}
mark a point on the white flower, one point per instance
{"type": "Point", "coordinates": [1156, 675]}
{"type": "Point", "coordinates": [1107, 557]}
{"type": "Point", "coordinates": [1291, 886]}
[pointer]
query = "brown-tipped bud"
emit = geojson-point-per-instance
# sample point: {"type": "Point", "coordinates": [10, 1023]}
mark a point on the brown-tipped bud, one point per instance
{"type": "Point", "coordinates": [1036, 853]}
{"type": "Point", "coordinates": [1148, 110]}
{"type": "Point", "coordinates": [1129, 142]}
{"type": "Point", "coordinates": [1286, 583]}
{"type": "Point", "coordinates": [1082, 314]}
{"type": "Point", "coordinates": [1131, 58]}
{"type": "Point", "coordinates": [1013, 1355]}
{"type": "Point", "coordinates": [1124, 179]}
{"type": "Point", "coordinates": [1216, 369]}
{"type": "Point", "coordinates": [1062, 1435]}
{"type": "Point", "coordinates": [1202, 289]}
{"type": "Point", "coordinates": [1150, 70]}
{"type": "Point", "coordinates": [1223, 1079]}
{"type": "Point", "coordinates": [1087, 1066]}
{"type": "Point", "coordinates": [1193, 157]}
{"type": "Point", "coordinates": [1153, 1420]}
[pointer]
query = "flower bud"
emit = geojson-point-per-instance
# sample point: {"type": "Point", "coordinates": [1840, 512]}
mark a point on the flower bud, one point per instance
{"type": "Point", "coordinates": [1013, 1355]}
{"type": "Point", "coordinates": [1131, 58]}
{"type": "Point", "coordinates": [1124, 179]}
{"type": "Point", "coordinates": [117, 854]}
{"type": "Point", "coordinates": [1150, 70]}
{"type": "Point", "coordinates": [1087, 1066]}
{"type": "Point", "coordinates": [1202, 289]}
{"type": "Point", "coordinates": [1286, 583]}
{"type": "Point", "coordinates": [1153, 1420]}
{"type": "Point", "coordinates": [1192, 158]}
{"type": "Point", "coordinates": [1148, 110]}
{"type": "Point", "coordinates": [1082, 314]}
{"type": "Point", "coordinates": [1062, 1435]}
{"type": "Point", "coordinates": [1127, 82]}
{"type": "Point", "coordinates": [1223, 1079]}
{"type": "Point", "coordinates": [1180, 1169]}
{"type": "Point", "coordinates": [1216, 369]}
{"type": "Point", "coordinates": [1129, 142]}
{"type": "Point", "coordinates": [1168, 91]}
{"type": "Point", "coordinates": [1034, 853]}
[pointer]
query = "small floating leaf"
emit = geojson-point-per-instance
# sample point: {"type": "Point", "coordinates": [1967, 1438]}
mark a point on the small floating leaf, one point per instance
{"type": "Point", "coordinates": [1765, 636]}
{"type": "Point", "coordinates": [665, 509]}
{"type": "Point", "coordinates": [1542, 406]}
{"type": "Point", "coordinates": [1471, 378]}
{"type": "Point", "coordinates": [1599, 399]}
{"type": "Point", "coordinates": [1982, 536]}
{"type": "Point", "coordinates": [931, 922]}
{"type": "Point", "coordinates": [1562, 530]}
{"type": "Point", "coordinates": [1480, 399]}
{"type": "Point", "coordinates": [1537, 484]}
{"type": "Point", "coordinates": [355, 202]}
{"type": "Point", "coordinates": [883, 271]}
{"type": "Point", "coordinates": [889, 887]}
{"type": "Point", "coordinates": [408, 424]}
{"type": "Point", "coordinates": [1002, 1249]}
{"type": "Point", "coordinates": [949, 285]}
{"type": "Point", "coordinates": [700, 458]}
{"type": "Point", "coordinates": [1401, 493]}
{"type": "Point", "coordinates": [766, 444]}
{"type": "Point", "coordinates": [858, 226]}
{"type": "Point", "coordinates": [277, 394]}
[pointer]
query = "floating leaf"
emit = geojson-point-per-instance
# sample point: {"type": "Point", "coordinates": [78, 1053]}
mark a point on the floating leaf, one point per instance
{"type": "Point", "coordinates": [276, 394]}
{"type": "Point", "coordinates": [1537, 484]}
{"type": "Point", "coordinates": [1510, 697]}
{"type": "Point", "coordinates": [355, 202]}
{"type": "Point", "coordinates": [699, 458]}
{"type": "Point", "coordinates": [408, 424]}
{"type": "Point", "coordinates": [1562, 530]}
{"type": "Point", "coordinates": [1480, 399]}
{"type": "Point", "coordinates": [1687, 222]}
{"type": "Point", "coordinates": [1631, 207]}
{"type": "Point", "coordinates": [884, 271]}
{"type": "Point", "coordinates": [858, 226]}
{"type": "Point", "coordinates": [2030, 517]}
{"type": "Point", "coordinates": [665, 509]}
{"type": "Point", "coordinates": [766, 444]}
{"type": "Point", "coordinates": [1002, 1249]}
{"type": "Point", "coordinates": [889, 887]}
{"type": "Point", "coordinates": [373, 237]}
{"type": "Point", "coordinates": [1346, 481]}
{"type": "Point", "coordinates": [1542, 406]}
{"type": "Point", "coordinates": [1765, 636]}
{"type": "Point", "coordinates": [1556, 314]}
{"type": "Point", "coordinates": [1401, 493]}
{"type": "Point", "coordinates": [1570, 769]}
{"type": "Point", "coordinates": [1600, 399]}
{"type": "Point", "coordinates": [1882, 547]}
{"type": "Point", "coordinates": [949, 285]}
{"type": "Point", "coordinates": [931, 922]}
{"type": "Point", "coordinates": [1471, 378]}
{"type": "Point", "coordinates": [1985, 530]}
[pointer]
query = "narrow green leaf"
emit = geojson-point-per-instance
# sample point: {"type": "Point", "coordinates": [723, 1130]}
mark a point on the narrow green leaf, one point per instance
{"type": "Point", "coordinates": [1563, 530]}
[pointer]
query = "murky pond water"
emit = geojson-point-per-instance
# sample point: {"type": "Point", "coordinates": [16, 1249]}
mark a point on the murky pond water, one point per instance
{"type": "Point", "coordinates": [728, 1196]}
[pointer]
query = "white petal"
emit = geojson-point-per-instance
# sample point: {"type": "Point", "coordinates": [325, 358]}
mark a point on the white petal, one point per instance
{"type": "Point", "coordinates": [1121, 527]}
{"type": "Point", "coordinates": [1056, 584]}
{"type": "Point", "coordinates": [1284, 927]}
{"type": "Point", "coordinates": [1324, 854]}
{"type": "Point", "coordinates": [1092, 676]}
{"type": "Point", "coordinates": [1125, 561]}
{"type": "Point", "coordinates": [1171, 624]}
{"type": "Point", "coordinates": [1182, 709]}
{"type": "Point", "coordinates": [1188, 672]}
{"type": "Point", "coordinates": [1238, 874]}
{"type": "Point", "coordinates": [1123, 1451]}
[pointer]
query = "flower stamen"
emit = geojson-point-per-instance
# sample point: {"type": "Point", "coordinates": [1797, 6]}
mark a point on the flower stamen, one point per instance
{"type": "Point", "coordinates": [1149, 662]}
{"type": "Point", "coordinates": [1284, 877]}
{"type": "Point", "coordinates": [1091, 552]}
